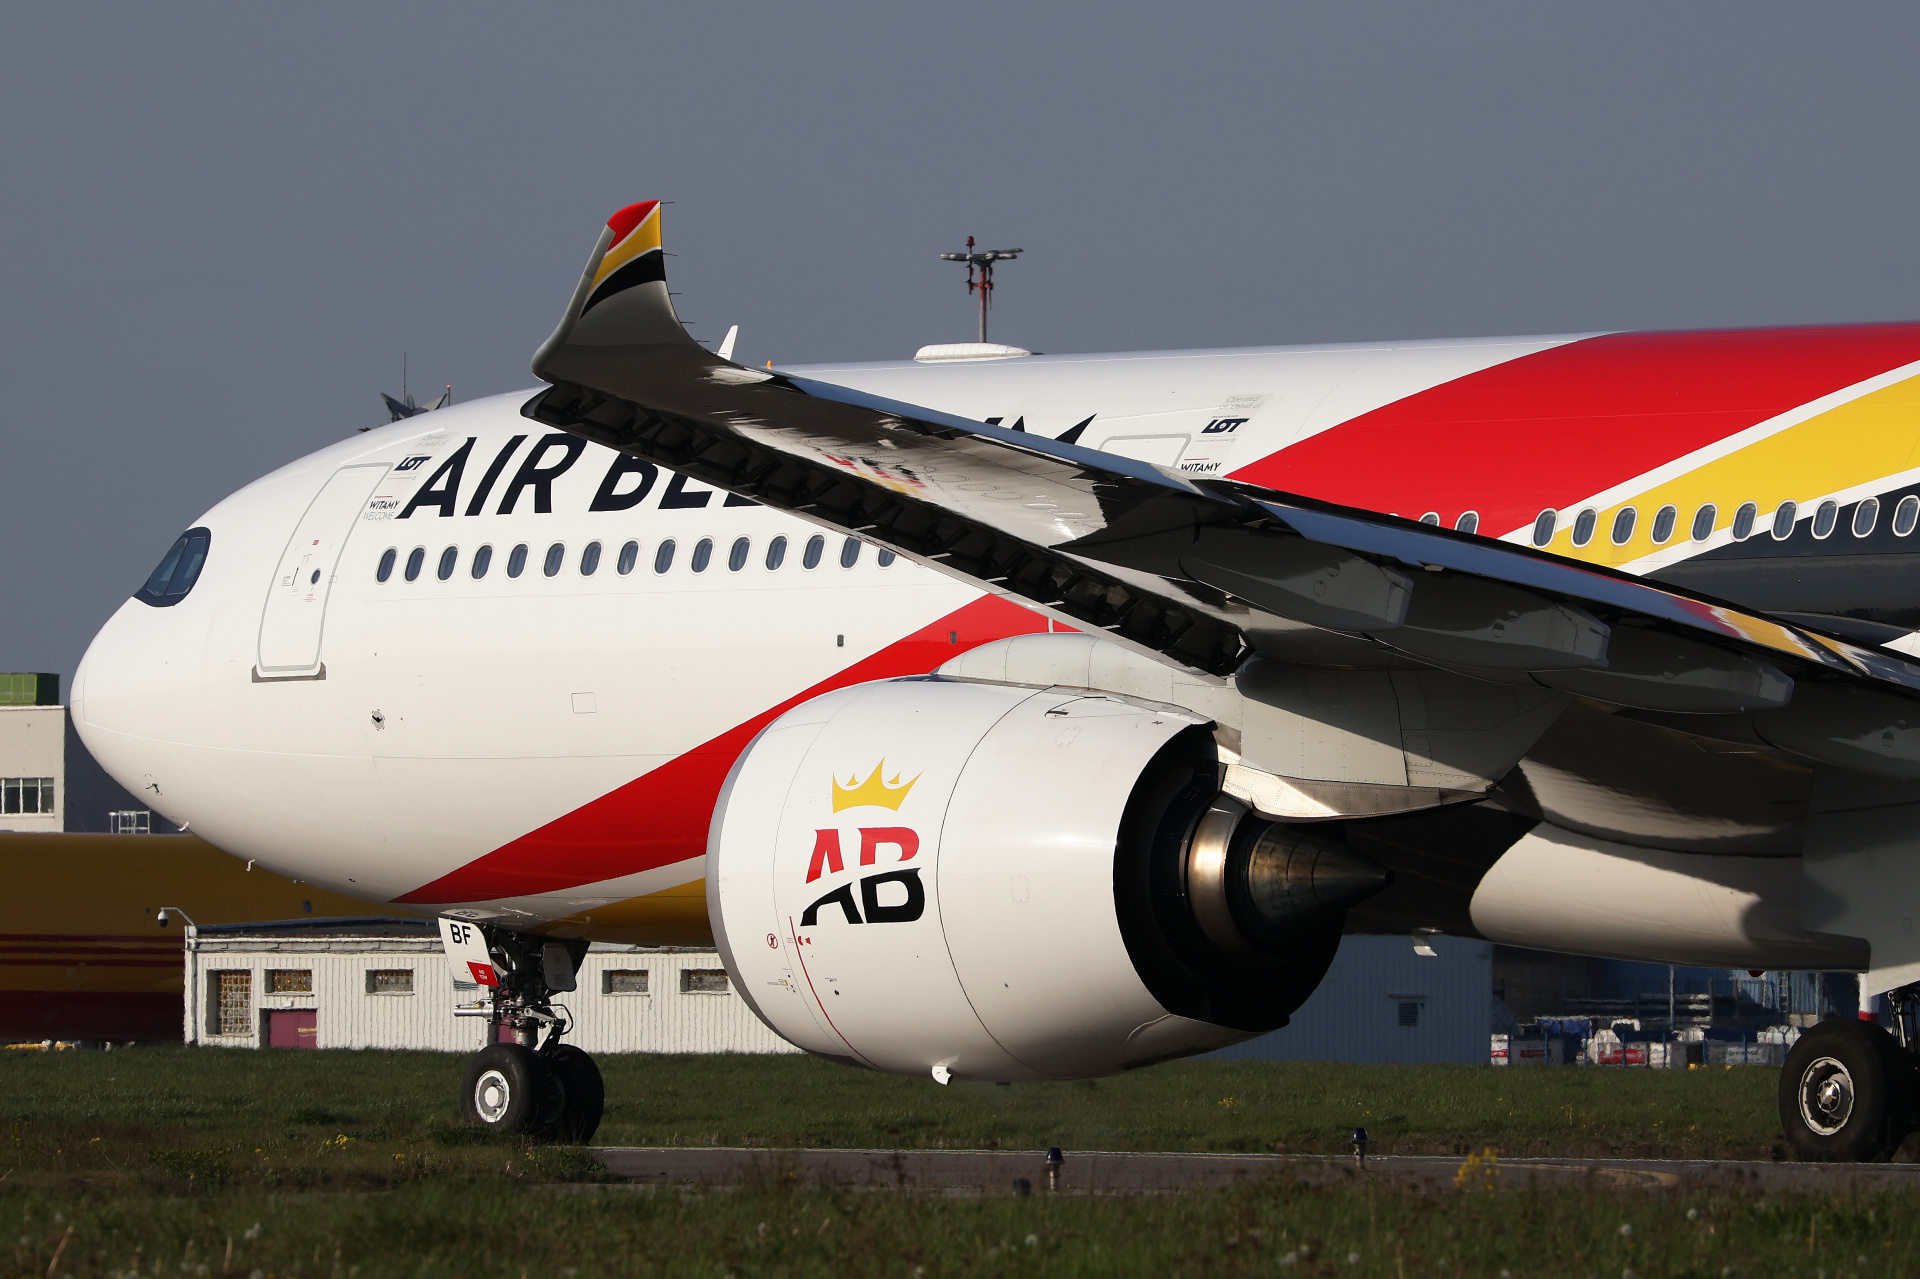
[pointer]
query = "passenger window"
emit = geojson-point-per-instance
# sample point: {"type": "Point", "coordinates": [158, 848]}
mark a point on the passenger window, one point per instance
{"type": "Point", "coordinates": [1468, 522]}
{"type": "Point", "coordinates": [776, 553]}
{"type": "Point", "coordinates": [663, 558]}
{"type": "Point", "coordinates": [1703, 521]}
{"type": "Point", "coordinates": [850, 552]}
{"type": "Point", "coordinates": [702, 554]}
{"type": "Point", "coordinates": [1583, 525]}
{"type": "Point", "coordinates": [1543, 526]}
{"type": "Point", "coordinates": [1431, 517]}
{"type": "Point", "coordinates": [517, 561]}
{"type": "Point", "coordinates": [737, 557]}
{"type": "Point", "coordinates": [815, 545]}
{"type": "Point", "coordinates": [1906, 515]}
{"type": "Point", "coordinates": [1623, 525]}
{"type": "Point", "coordinates": [448, 558]}
{"type": "Point", "coordinates": [629, 556]}
{"type": "Point", "coordinates": [1783, 517]}
{"type": "Point", "coordinates": [1743, 521]}
{"type": "Point", "coordinates": [1825, 516]}
{"type": "Point", "coordinates": [415, 559]}
{"type": "Point", "coordinates": [556, 555]}
{"type": "Point", "coordinates": [1865, 516]}
{"type": "Point", "coordinates": [482, 561]}
{"type": "Point", "coordinates": [1663, 522]}
{"type": "Point", "coordinates": [887, 558]}
{"type": "Point", "coordinates": [385, 570]}
{"type": "Point", "coordinates": [179, 570]}
{"type": "Point", "coordinates": [590, 559]}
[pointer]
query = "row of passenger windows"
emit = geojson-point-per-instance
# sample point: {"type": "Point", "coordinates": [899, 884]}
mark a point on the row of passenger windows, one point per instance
{"type": "Point", "coordinates": [1826, 516]}
{"type": "Point", "coordinates": [590, 555]}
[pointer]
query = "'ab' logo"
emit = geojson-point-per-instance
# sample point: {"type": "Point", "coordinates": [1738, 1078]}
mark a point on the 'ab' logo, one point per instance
{"type": "Point", "coordinates": [828, 858]}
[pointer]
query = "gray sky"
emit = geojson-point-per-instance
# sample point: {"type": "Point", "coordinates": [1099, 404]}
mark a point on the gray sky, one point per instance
{"type": "Point", "coordinates": [223, 225]}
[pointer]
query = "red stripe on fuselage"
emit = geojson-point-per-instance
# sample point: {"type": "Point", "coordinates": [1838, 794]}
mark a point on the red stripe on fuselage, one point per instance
{"type": "Point", "coordinates": [661, 817]}
{"type": "Point", "coordinates": [1555, 427]}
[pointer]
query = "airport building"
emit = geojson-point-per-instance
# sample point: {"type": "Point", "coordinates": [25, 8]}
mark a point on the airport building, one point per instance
{"type": "Point", "coordinates": [48, 780]}
{"type": "Point", "coordinates": [384, 983]}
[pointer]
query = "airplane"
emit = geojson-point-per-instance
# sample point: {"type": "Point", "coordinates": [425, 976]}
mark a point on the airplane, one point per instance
{"type": "Point", "coordinates": [1058, 749]}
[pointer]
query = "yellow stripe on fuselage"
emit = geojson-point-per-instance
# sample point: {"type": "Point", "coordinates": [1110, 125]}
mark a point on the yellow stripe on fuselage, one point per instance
{"type": "Point", "coordinates": [1874, 437]}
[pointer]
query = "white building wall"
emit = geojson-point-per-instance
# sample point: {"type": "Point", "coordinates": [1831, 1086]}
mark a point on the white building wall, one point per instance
{"type": "Point", "coordinates": [664, 1020]}
{"type": "Point", "coordinates": [1355, 1014]}
{"type": "Point", "coordinates": [33, 744]}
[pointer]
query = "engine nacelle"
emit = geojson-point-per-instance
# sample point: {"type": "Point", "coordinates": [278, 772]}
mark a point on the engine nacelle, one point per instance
{"type": "Point", "coordinates": [991, 882]}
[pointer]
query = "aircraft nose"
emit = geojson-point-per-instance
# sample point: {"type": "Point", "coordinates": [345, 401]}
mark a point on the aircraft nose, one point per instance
{"type": "Point", "coordinates": [135, 699]}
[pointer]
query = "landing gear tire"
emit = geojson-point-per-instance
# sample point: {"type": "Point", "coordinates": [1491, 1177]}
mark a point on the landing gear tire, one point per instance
{"type": "Point", "coordinates": [1847, 1093]}
{"type": "Point", "coordinates": [582, 1094]}
{"type": "Point", "coordinates": [507, 1091]}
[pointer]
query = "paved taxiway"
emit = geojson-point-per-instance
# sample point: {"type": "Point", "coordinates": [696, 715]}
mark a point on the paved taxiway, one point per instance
{"type": "Point", "coordinates": [1098, 1172]}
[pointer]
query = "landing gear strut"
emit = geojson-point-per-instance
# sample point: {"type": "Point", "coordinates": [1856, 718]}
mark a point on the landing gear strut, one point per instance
{"type": "Point", "coordinates": [525, 1082]}
{"type": "Point", "coordinates": [1848, 1091]}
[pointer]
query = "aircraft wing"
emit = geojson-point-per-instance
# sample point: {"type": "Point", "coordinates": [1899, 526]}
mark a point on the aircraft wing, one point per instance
{"type": "Point", "coordinates": [1201, 573]}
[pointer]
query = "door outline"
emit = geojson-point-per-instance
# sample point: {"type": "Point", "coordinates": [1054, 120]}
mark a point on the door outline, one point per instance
{"type": "Point", "coordinates": [315, 669]}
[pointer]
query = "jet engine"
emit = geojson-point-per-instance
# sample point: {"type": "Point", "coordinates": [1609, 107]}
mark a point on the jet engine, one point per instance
{"type": "Point", "coordinates": [992, 882]}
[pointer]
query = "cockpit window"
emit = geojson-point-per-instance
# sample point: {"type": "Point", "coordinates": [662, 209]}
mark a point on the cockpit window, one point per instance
{"type": "Point", "coordinates": [178, 571]}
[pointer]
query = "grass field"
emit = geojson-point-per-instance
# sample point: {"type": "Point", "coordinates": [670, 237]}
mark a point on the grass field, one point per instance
{"type": "Point", "coordinates": [177, 1161]}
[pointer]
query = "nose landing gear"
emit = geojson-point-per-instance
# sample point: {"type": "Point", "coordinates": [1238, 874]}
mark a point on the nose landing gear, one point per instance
{"type": "Point", "coordinates": [525, 1082]}
{"type": "Point", "coordinates": [1848, 1091]}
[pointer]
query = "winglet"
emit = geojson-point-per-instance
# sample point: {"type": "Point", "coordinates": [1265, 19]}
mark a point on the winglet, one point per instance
{"type": "Point", "coordinates": [621, 299]}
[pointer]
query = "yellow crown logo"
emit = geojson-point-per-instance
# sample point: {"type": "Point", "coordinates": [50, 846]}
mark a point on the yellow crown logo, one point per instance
{"type": "Point", "coordinates": [856, 793]}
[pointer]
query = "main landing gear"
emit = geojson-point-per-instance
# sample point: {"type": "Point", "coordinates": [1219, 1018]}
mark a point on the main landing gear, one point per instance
{"type": "Point", "coordinates": [526, 1083]}
{"type": "Point", "coordinates": [1849, 1089]}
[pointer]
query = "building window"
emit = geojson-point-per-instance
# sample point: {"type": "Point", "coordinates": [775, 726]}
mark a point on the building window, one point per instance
{"type": "Point", "coordinates": [289, 981]}
{"type": "Point", "coordinates": [389, 981]}
{"type": "Point", "coordinates": [1409, 1012]}
{"type": "Point", "coordinates": [130, 821]}
{"type": "Point", "coordinates": [703, 981]}
{"type": "Point", "coordinates": [230, 1003]}
{"type": "Point", "coordinates": [623, 981]}
{"type": "Point", "coordinates": [26, 794]}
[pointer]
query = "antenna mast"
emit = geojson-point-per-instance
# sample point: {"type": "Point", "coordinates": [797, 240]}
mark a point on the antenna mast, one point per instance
{"type": "Point", "coordinates": [980, 274]}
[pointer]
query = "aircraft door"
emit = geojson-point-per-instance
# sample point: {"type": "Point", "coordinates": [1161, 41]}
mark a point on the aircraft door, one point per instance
{"type": "Point", "coordinates": [290, 624]}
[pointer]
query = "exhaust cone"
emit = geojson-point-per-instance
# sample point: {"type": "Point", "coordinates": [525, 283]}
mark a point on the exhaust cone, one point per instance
{"type": "Point", "coordinates": [1292, 875]}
